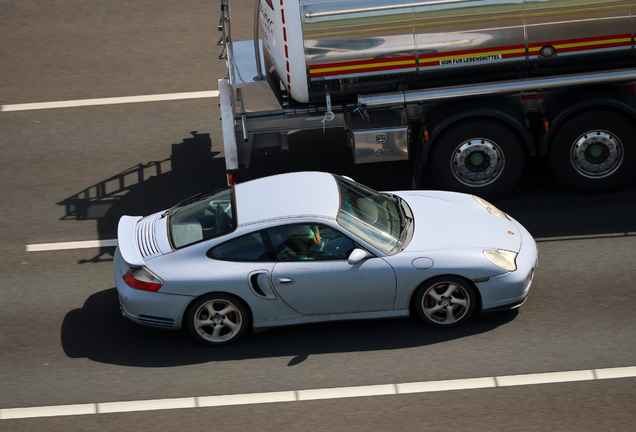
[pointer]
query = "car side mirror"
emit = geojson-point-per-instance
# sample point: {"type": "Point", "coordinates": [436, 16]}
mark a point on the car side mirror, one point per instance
{"type": "Point", "coordinates": [358, 255]}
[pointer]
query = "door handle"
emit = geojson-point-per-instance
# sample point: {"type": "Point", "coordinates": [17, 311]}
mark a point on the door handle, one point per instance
{"type": "Point", "coordinates": [284, 281]}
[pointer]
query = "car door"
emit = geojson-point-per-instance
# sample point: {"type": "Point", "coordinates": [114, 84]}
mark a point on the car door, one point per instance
{"type": "Point", "coordinates": [312, 274]}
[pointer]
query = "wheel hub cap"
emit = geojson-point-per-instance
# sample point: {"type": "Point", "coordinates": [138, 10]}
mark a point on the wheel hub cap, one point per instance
{"type": "Point", "coordinates": [477, 162]}
{"type": "Point", "coordinates": [217, 321]}
{"type": "Point", "coordinates": [596, 154]}
{"type": "Point", "coordinates": [446, 303]}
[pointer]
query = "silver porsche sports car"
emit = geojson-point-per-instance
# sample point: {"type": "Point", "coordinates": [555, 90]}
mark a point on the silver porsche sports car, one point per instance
{"type": "Point", "coordinates": [309, 247]}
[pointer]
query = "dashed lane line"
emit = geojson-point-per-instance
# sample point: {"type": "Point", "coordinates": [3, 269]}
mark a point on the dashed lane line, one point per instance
{"type": "Point", "coordinates": [40, 247]}
{"type": "Point", "coordinates": [110, 101]}
{"type": "Point", "coordinates": [318, 394]}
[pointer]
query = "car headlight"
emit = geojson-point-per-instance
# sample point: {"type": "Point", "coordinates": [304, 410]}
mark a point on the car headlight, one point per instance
{"type": "Point", "coordinates": [491, 208]}
{"type": "Point", "coordinates": [502, 258]}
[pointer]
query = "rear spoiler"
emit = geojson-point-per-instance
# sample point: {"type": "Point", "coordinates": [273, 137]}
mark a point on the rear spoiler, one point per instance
{"type": "Point", "coordinates": [127, 240]}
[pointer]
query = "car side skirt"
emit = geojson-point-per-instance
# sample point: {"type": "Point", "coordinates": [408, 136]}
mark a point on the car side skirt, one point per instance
{"type": "Point", "coordinates": [261, 325]}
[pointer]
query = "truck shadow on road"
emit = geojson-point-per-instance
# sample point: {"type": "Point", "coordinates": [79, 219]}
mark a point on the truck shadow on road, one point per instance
{"type": "Point", "coordinates": [544, 207]}
{"type": "Point", "coordinates": [146, 188]}
{"type": "Point", "coordinates": [100, 333]}
{"type": "Point", "coordinates": [539, 202]}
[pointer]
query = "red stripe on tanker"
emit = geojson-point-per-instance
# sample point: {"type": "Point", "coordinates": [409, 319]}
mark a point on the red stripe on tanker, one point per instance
{"type": "Point", "coordinates": [281, 29]}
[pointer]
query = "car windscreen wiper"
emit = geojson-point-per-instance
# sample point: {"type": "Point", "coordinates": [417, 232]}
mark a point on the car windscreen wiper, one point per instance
{"type": "Point", "coordinates": [401, 206]}
{"type": "Point", "coordinates": [187, 201]}
{"type": "Point", "coordinates": [199, 196]}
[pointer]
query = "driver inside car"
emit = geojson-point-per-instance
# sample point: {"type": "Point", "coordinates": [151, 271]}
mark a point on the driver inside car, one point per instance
{"type": "Point", "coordinates": [300, 240]}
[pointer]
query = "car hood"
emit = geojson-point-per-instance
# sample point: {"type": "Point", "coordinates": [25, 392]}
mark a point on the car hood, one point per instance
{"type": "Point", "coordinates": [447, 220]}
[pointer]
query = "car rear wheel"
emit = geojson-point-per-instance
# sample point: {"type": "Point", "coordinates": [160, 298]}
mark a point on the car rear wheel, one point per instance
{"type": "Point", "coordinates": [446, 301]}
{"type": "Point", "coordinates": [594, 151]}
{"type": "Point", "coordinates": [218, 319]}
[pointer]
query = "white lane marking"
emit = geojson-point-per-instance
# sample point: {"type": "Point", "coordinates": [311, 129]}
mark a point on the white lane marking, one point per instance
{"type": "Point", "coordinates": [435, 386]}
{"type": "Point", "coordinates": [347, 392]}
{"type": "Point", "coordinates": [146, 405]}
{"type": "Point", "coordinates": [48, 411]}
{"type": "Point", "coordinates": [113, 242]}
{"type": "Point", "coordinates": [247, 399]}
{"type": "Point", "coordinates": [70, 245]}
{"type": "Point", "coordinates": [110, 101]}
{"type": "Point", "coordinates": [621, 372]}
{"type": "Point", "coordinates": [319, 394]}
{"type": "Point", "coordinates": [544, 378]}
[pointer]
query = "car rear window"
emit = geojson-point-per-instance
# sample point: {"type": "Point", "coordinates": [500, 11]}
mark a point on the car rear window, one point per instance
{"type": "Point", "coordinates": [202, 217]}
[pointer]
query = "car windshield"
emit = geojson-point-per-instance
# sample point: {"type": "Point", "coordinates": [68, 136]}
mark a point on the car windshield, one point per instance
{"type": "Point", "coordinates": [202, 217]}
{"type": "Point", "coordinates": [373, 216]}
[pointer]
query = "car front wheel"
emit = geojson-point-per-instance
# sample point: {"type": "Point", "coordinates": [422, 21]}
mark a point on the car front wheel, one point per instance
{"type": "Point", "coordinates": [218, 319]}
{"type": "Point", "coordinates": [446, 301]}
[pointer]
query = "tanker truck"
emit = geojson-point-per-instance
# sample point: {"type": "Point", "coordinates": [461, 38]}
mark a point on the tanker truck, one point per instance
{"type": "Point", "coordinates": [467, 89]}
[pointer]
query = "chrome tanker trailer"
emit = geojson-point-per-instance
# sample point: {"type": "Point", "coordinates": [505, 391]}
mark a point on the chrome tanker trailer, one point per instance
{"type": "Point", "coordinates": [467, 88]}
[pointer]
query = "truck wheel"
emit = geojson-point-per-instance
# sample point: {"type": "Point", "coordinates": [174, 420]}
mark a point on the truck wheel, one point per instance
{"type": "Point", "coordinates": [478, 156]}
{"type": "Point", "coordinates": [594, 151]}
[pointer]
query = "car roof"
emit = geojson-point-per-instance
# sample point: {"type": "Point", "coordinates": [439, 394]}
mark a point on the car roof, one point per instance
{"type": "Point", "coordinates": [287, 195]}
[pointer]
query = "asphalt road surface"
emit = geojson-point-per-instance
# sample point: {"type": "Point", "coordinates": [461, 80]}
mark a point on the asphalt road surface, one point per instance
{"type": "Point", "coordinates": [70, 361]}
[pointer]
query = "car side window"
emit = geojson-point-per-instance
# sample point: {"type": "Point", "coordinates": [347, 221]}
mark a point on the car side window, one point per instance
{"type": "Point", "coordinates": [313, 242]}
{"type": "Point", "coordinates": [250, 247]}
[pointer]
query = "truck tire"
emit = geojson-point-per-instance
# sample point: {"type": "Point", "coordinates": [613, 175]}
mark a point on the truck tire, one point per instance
{"type": "Point", "coordinates": [594, 151]}
{"type": "Point", "coordinates": [478, 156]}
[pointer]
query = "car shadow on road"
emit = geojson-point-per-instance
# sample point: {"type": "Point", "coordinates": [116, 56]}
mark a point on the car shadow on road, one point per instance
{"type": "Point", "coordinates": [100, 333]}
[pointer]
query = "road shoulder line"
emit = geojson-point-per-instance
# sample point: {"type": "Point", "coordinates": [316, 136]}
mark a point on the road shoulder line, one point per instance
{"type": "Point", "coordinates": [319, 394]}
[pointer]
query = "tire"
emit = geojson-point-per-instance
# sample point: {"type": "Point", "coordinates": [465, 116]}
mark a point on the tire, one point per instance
{"type": "Point", "coordinates": [445, 302]}
{"type": "Point", "coordinates": [229, 323]}
{"type": "Point", "coordinates": [478, 156]}
{"type": "Point", "coordinates": [594, 151]}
